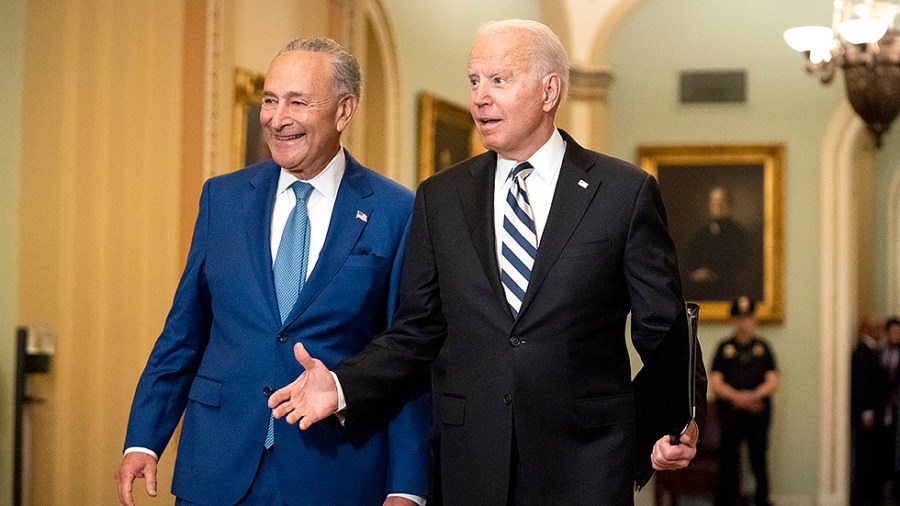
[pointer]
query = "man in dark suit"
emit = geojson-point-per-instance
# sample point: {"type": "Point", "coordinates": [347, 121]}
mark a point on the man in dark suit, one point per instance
{"type": "Point", "coordinates": [524, 275]}
{"type": "Point", "coordinates": [869, 397]}
{"type": "Point", "coordinates": [303, 248]}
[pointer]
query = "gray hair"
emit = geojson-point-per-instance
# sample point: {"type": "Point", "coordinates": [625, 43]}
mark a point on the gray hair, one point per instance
{"type": "Point", "coordinates": [345, 69]}
{"type": "Point", "coordinates": [549, 54]}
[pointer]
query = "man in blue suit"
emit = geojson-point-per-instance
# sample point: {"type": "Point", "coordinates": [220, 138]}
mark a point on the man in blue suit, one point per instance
{"type": "Point", "coordinates": [228, 340]}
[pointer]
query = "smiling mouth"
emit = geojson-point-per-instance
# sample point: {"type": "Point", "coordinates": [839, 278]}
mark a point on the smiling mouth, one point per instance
{"type": "Point", "coordinates": [288, 137]}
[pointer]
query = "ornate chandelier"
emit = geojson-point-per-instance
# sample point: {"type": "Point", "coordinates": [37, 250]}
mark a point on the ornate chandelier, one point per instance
{"type": "Point", "coordinates": [863, 42]}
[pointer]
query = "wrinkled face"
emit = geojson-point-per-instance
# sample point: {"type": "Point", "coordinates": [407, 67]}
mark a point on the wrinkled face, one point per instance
{"type": "Point", "coordinates": [302, 117]}
{"type": "Point", "coordinates": [719, 204]}
{"type": "Point", "coordinates": [513, 107]}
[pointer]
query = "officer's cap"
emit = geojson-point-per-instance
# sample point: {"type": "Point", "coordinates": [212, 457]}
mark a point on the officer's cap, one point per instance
{"type": "Point", "coordinates": [743, 306]}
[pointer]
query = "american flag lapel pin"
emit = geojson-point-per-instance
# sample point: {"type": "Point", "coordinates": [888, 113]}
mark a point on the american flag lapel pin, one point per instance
{"type": "Point", "coordinates": [362, 216]}
{"type": "Point", "coordinates": [582, 183]}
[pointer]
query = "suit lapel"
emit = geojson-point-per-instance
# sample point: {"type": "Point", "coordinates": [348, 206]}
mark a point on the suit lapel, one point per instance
{"type": "Point", "coordinates": [343, 232]}
{"type": "Point", "coordinates": [476, 197]}
{"type": "Point", "coordinates": [259, 229]}
{"type": "Point", "coordinates": [575, 188]}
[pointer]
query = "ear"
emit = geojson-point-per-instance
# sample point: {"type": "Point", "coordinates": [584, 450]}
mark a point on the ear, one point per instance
{"type": "Point", "coordinates": [346, 108]}
{"type": "Point", "coordinates": [550, 87]}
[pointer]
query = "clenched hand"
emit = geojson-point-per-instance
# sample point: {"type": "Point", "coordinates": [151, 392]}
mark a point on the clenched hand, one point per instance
{"type": "Point", "coordinates": [666, 456]}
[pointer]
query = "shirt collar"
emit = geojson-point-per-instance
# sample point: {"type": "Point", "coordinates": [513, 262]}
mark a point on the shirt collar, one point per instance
{"type": "Point", "coordinates": [546, 160]}
{"type": "Point", "coordinates": [325, 182]}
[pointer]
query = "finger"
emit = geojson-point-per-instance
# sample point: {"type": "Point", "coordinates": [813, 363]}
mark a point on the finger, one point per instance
{"type": "Point", "coordinates": [303, 357]}
{"type": "Point", "coordinates": [278, 397]}
{"type": "Point", "coordinates": [293, 417]}
{"type": "Point", "coordinates": [687, 439]}
{"type": "Point", "coordinates": [281, 410]}
{"type": "Point", "coordinates": [125, 482]}
{"type": "Point", "coordinates": [150, 479]}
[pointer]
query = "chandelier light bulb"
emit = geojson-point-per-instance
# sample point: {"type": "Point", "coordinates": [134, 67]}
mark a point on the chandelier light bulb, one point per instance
{"type": "Point", "coordinates": [818, 39]}
{"type": "Point", "coordinates": [862, 31]}
{"type": "Point", "coordinates": [864, 44]}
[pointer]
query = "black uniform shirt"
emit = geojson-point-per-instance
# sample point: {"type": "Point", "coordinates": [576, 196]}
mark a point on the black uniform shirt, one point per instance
{"type": "Point", "coordinates": [744, 367]}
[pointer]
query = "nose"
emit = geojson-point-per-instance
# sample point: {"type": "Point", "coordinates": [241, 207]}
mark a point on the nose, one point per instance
{"type": "Point", "coordinates": [480, 95]}
{"type": "Point", "coordinates": [276, 117]}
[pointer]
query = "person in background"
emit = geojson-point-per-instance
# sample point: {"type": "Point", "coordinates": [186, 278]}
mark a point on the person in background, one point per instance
{"type": "Point", "coordinates": [721, 258]}
{"type": "Point", "coordinates": [890, 361]}
{"type": "Point", "coordinates": [303, 248]}
{"type": "Point", "coordinates": [869, 395]}
{"type": "Point", "coordinates": [523, 265]}
{"type": "Point", "coordinates": [744, 376]}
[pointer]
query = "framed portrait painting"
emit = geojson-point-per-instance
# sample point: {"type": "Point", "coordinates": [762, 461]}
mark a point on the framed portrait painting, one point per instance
{"type": "Point", "coordinates": [248, 144]}
{"type": "Point", "coordinates": [724, 207]}
{"type": "Point", "coordinates": [446, 135]}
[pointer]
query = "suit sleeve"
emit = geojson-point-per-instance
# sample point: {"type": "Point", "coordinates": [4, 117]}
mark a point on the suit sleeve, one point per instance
{"type": "Point", "coordinates": [409, 432]}
{"type": "Point", "coordinates": [659, 330]}
{"type": "Point", "coordinates": [161, 394]}
{"type": "Point", "coordinates": [398, 360]}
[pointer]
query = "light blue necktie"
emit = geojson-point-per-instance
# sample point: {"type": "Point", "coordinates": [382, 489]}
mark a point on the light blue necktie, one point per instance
{"type": "Point", "coordinates": [519, 242]}
{"type": "Point", "coordinates": [290, 265]}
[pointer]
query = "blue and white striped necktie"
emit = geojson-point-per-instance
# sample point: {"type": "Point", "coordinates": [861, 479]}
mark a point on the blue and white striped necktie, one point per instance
{"type": "Point", "coordinates": [519, 244]}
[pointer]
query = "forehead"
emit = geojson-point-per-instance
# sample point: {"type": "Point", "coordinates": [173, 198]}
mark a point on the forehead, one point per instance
{"type": "Point", "coordinates": [505, 50]}
{"type": "Point", "coordinates": [301, 71]}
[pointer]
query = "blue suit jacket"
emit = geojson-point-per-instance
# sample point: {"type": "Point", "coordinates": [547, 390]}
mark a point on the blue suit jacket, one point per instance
{"type": "Point", "coordinates": [223, 349]}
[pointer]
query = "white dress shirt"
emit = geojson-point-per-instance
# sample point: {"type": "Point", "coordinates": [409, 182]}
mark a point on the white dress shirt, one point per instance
{"type": "Point", "coordinates": [540, 185]}
{"type": "Point", "coordinates": [320, 206]}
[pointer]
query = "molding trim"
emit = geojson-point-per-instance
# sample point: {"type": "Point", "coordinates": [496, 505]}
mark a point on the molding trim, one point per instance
{"type": "Point", "coordinates": [893, 242]}
{"type": "Point", "coordinates": [844, 138]}
{"type": "Point", "coordinates": [589, 83]}
{"type": "Point", "coordinates": [212, 103]}
{"type": "Point", "coordinates": [372, 14]}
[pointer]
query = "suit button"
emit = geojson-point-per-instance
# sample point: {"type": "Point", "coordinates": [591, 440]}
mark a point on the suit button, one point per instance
{"type": "Point", "coordinates": [282, 337]}
{"type": "Point", "coordinates": [515, 341]}
{"type": "Point", "coordinates": [507, 399]}
{"type": "Point", "coordinates": [267, 391]}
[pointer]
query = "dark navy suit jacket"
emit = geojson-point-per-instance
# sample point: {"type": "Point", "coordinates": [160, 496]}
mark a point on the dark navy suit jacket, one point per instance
{"type": "Point", "coordinates": [224, 349]}
{"type": "Point", "coordinates": [555, 384]}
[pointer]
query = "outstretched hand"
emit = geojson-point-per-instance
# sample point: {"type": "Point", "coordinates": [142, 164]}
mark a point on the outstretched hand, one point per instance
{"type": "Point", "coordinates": [309, 398]}
{"type": "Point", "coordinates": [666, 456]}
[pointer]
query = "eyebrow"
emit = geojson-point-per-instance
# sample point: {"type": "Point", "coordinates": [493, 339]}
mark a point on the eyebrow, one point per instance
{"type": "Point", "coordinates": [290, 94]}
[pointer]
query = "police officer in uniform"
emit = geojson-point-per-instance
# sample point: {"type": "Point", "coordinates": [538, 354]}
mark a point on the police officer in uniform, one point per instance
{"type": "Point", "coordinates": [743, 379]}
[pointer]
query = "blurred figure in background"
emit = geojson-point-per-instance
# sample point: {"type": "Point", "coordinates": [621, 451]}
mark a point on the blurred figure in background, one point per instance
{"type": "Point", "coordinates": [890, 360]}
{"type": "Point", "coordinates": [743, 379]}
{"type": "Point", "coordinates": [869, 394]}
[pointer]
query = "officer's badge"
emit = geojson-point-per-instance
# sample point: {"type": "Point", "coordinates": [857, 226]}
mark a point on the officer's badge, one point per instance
{"type": "Point", "coordinates": [729, 351]}
{"type": "Point", "coordinates": [758, 350]}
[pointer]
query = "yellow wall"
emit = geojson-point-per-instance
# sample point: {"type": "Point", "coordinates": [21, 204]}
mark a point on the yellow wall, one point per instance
{"type": "Point", "coordinates": [12, 37]}
{"type": "Point", "coordinates": [99, 228]}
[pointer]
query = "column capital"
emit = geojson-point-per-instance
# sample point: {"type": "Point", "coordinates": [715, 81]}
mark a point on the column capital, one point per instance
{"type": "Point", "coordinates": [589, 83]}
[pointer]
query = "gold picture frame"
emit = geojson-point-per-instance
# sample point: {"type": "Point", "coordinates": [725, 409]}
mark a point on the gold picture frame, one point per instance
{"type": "Point", "coordinates": [248, 145]}
{"type": "Point", "coordinates": [446, 135]}
{"type": "Point", "coordinates": [725, 212]}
